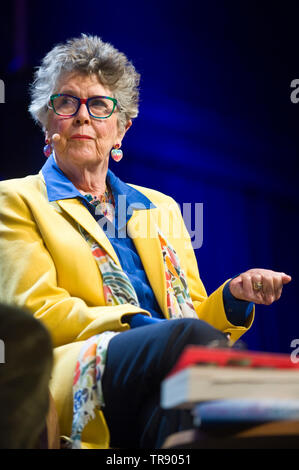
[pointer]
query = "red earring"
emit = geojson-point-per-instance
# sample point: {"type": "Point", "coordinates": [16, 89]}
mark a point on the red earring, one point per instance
{"type": "Point", "coordinates": [47, 148]}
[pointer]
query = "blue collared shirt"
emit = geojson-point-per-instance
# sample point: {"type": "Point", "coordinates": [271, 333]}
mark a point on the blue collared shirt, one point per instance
{"type": "Point", "coordinates": [60, 187]}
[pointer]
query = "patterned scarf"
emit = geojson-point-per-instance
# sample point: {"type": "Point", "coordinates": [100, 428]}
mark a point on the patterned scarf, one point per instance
{"type": "Point", "coordinates": [87, 390]}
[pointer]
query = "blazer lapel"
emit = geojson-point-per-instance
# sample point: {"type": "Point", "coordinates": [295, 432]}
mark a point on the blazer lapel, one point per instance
{"type": "Point", "coordinates": [79, 213]}
{"type": "Point", "coordinates": [142, 229]}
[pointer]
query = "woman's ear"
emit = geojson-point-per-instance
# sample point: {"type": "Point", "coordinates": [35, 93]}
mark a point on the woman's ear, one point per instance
{"type": "Point", "coordinates": [127, 127]}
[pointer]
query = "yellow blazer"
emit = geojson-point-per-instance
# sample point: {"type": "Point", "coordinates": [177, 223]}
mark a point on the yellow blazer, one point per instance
{"type": "Point", "coordinates": [47, 267]}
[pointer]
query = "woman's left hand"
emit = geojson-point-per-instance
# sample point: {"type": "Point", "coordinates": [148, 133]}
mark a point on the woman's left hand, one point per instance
{"type": "Point", "coordinates": [261, 286]}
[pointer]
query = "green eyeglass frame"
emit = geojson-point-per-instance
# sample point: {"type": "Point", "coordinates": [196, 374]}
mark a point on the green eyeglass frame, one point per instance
{"type": "Point", "coordinates": [80, 101]}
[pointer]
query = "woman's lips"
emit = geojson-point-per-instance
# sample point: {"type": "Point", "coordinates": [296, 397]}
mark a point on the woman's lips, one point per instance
{"type": "Point", "coordinates": [80, 136]}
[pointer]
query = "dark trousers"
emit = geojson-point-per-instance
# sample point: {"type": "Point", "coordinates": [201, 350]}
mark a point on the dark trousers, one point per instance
{"type": "Point", "coordinates": [137, 362]}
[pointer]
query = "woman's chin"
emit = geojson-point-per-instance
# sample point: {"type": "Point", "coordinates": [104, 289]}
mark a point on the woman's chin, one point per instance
{"type": "Point", "coordinates": [84, 156]}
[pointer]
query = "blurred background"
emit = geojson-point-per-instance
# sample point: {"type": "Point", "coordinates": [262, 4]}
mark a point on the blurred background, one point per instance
{"type": "Point", "coordinates": [216, 123]}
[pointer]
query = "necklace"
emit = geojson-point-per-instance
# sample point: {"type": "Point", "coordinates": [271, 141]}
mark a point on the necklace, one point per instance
{"type": "Point", "coordinates": [104, 204]}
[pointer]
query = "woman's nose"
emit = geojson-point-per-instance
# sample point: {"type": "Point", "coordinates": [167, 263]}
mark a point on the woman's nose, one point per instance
{"type": "Point", "coordinates": [82, 116]}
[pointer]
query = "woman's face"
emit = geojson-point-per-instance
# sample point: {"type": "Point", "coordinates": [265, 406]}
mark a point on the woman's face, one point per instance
{"type": "Point", "coordinates": [98, 135]}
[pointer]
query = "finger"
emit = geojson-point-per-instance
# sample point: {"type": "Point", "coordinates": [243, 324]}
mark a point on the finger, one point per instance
{"type": "Point", "coordinates": [235, 287]}
{"type": "Point", "coordinates": [257, 279]}
{"type": "Point", "coordinates": [268, 291]}
{"type": "Point", "coordinates": [286, 278]}
{"type": "Point", "coordinates": [248, 292]}
{"type": "Point", "coordinates": [277, 282]}
{"type": "Point", "coordinates": [237, 279]}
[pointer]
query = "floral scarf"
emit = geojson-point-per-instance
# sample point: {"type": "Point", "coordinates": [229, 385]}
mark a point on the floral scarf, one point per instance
{"type": "Point", "coordinates": [87, 390]}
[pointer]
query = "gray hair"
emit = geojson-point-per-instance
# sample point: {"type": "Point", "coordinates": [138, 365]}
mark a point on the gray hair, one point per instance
{"type": "Point", "coordinates": [87, 55]}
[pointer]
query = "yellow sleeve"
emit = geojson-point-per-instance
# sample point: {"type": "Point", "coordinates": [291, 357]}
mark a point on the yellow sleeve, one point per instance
{"type": "Point", "coordinates": [28, 279]}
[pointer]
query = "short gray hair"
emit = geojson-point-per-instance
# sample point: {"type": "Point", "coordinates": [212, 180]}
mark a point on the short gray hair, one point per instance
{"type": "Point", "coordinates": [87, 55]}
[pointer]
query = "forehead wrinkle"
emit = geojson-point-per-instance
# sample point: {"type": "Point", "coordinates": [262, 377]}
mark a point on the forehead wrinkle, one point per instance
{"type": "Point", "coordinates": [73, 84]}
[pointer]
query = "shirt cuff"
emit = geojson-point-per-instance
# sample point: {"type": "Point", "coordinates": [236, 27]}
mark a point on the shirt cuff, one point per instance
{"type": "Point", "coordinates": [237, 311]}
{"type": "Point", "coordinates": [142, 320]}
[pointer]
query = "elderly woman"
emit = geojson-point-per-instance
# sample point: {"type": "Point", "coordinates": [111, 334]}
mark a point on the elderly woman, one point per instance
{"type": "Point", "coordinates": [92, 258]}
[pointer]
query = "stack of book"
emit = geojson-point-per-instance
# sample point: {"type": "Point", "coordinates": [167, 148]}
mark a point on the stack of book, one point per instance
{"type": "Point", "coordinates": [224, 386]}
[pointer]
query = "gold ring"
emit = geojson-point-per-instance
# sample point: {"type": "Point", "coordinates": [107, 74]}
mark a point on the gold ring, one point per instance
{"type": "Point", "coordinates": [257, 286]}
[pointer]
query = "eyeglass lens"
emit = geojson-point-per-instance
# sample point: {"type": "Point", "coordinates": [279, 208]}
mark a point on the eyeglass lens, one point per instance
{"type": "Point", "coordinates": [98, 106]}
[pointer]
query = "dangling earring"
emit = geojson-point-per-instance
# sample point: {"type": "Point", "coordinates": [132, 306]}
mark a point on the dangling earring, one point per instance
{"type": "Point", "coordinates": [116, 153]}
{"type": "Point", "coordinates": [47, 148]}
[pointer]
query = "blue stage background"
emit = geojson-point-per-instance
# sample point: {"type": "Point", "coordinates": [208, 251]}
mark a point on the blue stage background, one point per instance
{"type": "Point", "coordinates": [216, 123]}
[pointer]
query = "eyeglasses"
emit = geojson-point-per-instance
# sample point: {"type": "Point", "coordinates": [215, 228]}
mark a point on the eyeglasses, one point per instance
{"type": "Point", "coordinates": [98, 107]}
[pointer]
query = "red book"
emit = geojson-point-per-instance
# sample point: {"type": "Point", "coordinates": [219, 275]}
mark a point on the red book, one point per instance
{"type": "Point", "coordinates": [226, 357]}
{"type": "Point", "coordinates": [203, 373]}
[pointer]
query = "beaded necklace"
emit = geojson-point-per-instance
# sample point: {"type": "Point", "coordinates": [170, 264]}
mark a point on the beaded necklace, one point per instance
{"type": "Point", "coordinates": [104, 203]}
